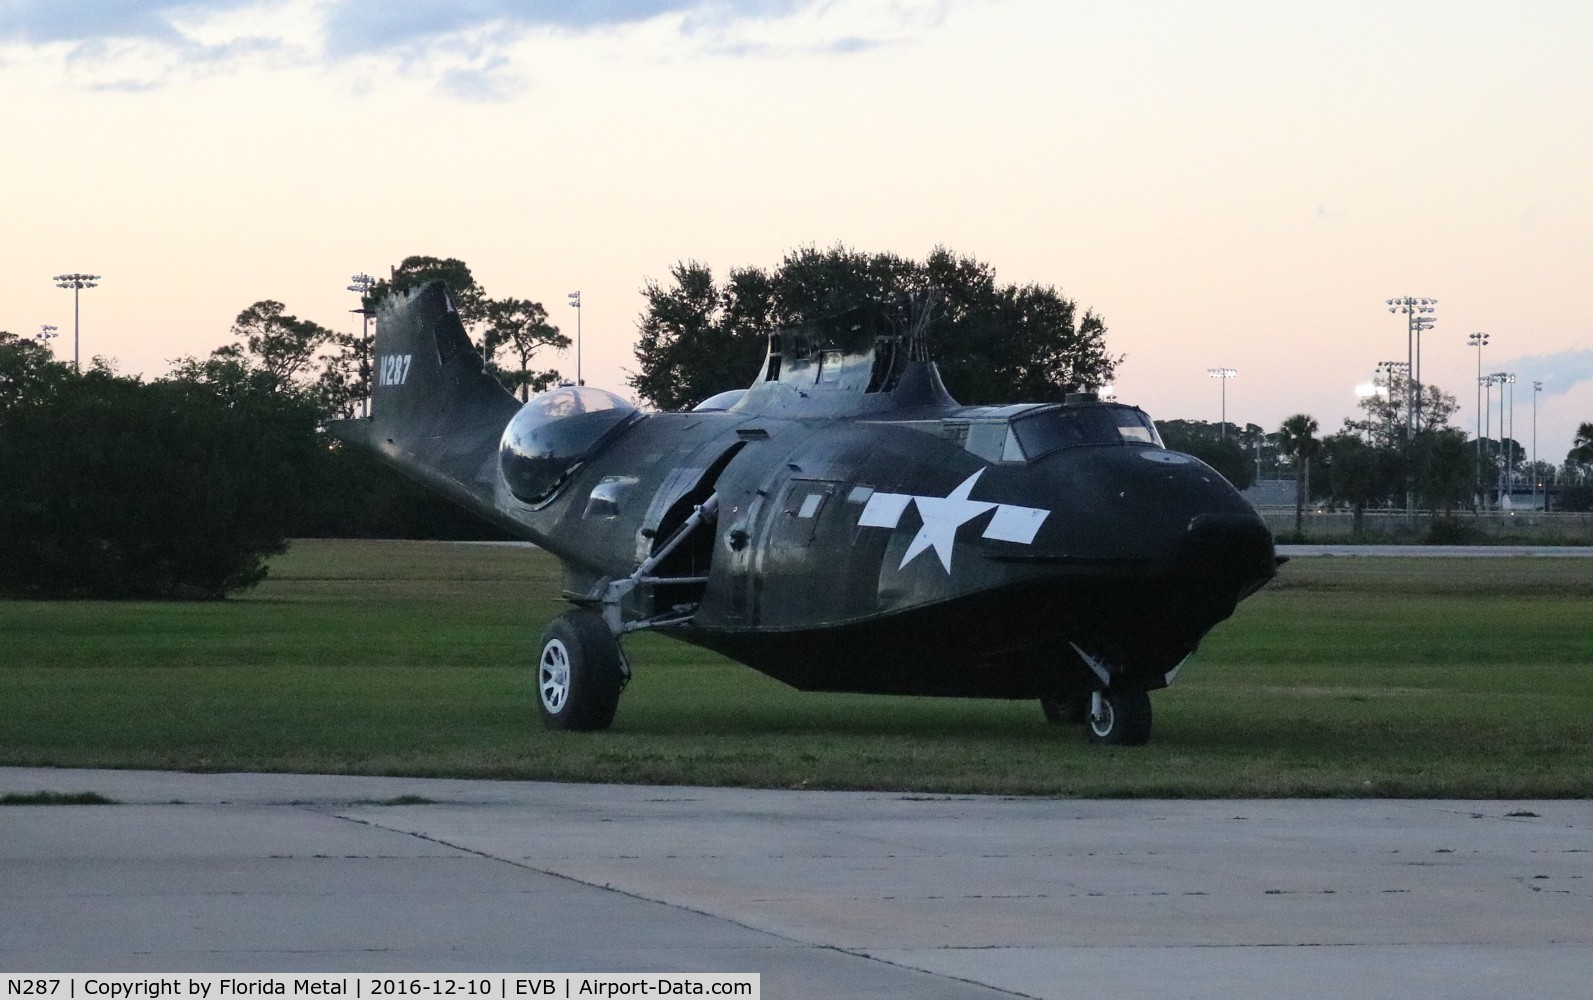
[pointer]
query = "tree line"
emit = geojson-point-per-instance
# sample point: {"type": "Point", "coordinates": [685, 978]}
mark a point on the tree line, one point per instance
{"type": "Point", "coordinates": [182, 486]}
{"type": "Point", "coordinates": [1401, 450]}
{"type": "Point", "coordinates": [994, 343]}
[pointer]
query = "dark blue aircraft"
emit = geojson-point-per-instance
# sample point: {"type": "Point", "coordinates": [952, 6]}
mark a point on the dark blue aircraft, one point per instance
{"type": "Point", "coordinates": [841, 525]}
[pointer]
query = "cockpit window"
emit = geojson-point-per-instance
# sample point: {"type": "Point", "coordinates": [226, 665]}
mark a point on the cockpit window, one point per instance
{"type": "Point", "coordinates": [554, 434]}
{"type": "Point", "coordinates": [1051, 430]}
{"type": "Point", "coordinates": [1136, 427]}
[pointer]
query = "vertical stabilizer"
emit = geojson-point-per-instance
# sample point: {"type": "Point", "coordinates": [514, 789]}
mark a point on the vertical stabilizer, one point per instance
{"type": "Point", "coordinates": [436, 413]}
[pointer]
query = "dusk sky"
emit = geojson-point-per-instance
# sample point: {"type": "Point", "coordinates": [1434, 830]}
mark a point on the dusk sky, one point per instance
{"type": "Point", "coordinates": [1228, 184]}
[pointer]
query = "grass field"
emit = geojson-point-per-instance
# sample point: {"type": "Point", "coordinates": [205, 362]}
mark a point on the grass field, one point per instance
{"type": "Point", "coordinates": [1345, 677]}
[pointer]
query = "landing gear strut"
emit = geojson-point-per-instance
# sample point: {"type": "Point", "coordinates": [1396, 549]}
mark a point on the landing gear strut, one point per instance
{"type": "Point", "coordinates": [581, 669]}
{"type": "Point", "coordinates": [1116, 713]}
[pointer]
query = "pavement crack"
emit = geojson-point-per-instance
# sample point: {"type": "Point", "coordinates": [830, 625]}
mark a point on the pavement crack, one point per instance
{"type": "Point", "coordinates": [524, 865]}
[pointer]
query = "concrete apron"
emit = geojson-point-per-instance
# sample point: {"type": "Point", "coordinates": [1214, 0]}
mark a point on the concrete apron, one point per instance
{"type": "Point", "coordinates": [824, 893]}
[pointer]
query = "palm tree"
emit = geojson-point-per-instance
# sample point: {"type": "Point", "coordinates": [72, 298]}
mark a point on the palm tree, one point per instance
{"type": "Point", "coordinates": [1297, 439]}
{"type": "Point", "coordinates": [1582, 447]}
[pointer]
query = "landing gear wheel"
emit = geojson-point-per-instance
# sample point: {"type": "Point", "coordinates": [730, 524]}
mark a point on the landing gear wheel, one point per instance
{"type": "Point", "coordinates": [580, 673]}
{"type": "Point", "coordinates": [1065, 711]}
{"type": "Point", "coordinates": [1124, 719]}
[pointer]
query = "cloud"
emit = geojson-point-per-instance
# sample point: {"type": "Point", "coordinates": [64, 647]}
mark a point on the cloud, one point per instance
{"type": "Point", "coordinates": [1559, 373]}
{"type": "Point", "coordinates": [362, 27]}
{"type": "Point", "coordinates": [468, 49]}
{"type": "Point", "coordinates": [481, 85]}
{"type": "Point", "coordinates": [41, 22]}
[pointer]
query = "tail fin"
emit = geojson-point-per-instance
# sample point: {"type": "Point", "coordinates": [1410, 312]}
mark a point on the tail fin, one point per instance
{"type": "Point", "coordinates": [435, 411]}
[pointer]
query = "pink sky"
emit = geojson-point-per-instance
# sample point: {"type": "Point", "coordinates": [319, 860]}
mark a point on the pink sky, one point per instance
{"type": "Point", "coordinates": [1227, 184]}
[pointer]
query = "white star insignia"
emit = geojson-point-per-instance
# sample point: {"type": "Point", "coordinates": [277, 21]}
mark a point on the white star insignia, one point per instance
{"type": "Point", "coordinates": [942, 516]}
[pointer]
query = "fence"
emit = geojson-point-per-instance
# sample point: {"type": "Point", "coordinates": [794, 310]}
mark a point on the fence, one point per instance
{"type": "Point", "coordinates": [1526, 527]}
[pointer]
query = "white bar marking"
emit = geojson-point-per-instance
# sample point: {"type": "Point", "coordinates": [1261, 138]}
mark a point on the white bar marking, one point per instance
{"type": "Point", "coordinates": [1015, 524]}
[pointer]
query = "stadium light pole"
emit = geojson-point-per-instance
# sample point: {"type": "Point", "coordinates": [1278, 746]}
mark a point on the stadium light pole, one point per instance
{"type": "Point", "coordinates": [1537, 387]}
{"type": "Point", "coordinates": [1417, 318]}
{"type": "Point", "coordinates": [76, 282]}
{"type": "Point", "coordinates": [1371, 390]}
{"type": "Point", "coordinates": [1510, 435]}
{"type": "Point", "coordinates": [1487, 405]}
{"type": "Point", "coordinates": [1498, 379]}
{"type": "Point", "coordinates": [1420, 323]}
{"type": "Point", "coordinates": [1388, 368]}
{"type": "Point", "coordinates": [1486, 383]}
{"type": "Point", "coordinates": [362, 283]}
{"type": "Point", "coordinates": [1222, 375]}
{"type": "Point", "coordinates": [575, 303]}
{"type": "Point", "coordinates": [46, 334]}
{"type": "Point", "coordinates": [1478, 340]}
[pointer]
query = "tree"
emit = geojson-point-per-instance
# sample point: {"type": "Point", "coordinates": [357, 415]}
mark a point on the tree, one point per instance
{"type": "Point", "coordinates": [1207, 442]}
{"type": "Point", "coordinates": [1576, 497]}
{"type": "Point", "coordinates": [521, 326]}
{"type": "Point", "coordinates": [688, 346]}
{"type": "Point", "coordinates": [345, 376]}
{"type": "Point", "coordinates": [1582, 446]}
{"type": "Point", "coordinates": [1383, 416]}
{"type": "Point", "coordinates": [1358, 475]}
{"type": "Point", "coordinates": [994, 343]}
{"type": "Point", "coordinates": [469, 297]}
{"type": "Point", "coordinates": [27, 369]}
{"type": "Point", "coordinates": [1448, 464]}
{"type": "Point", "coordinates": [1297, 439]}
{"type": "Point", "coordinates": [284, 346]}
{"type": "Point", "coordinates": [173, 489]}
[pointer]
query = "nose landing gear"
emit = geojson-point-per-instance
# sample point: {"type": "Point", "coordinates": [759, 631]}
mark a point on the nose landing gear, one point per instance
{"type": "Point", "coordinates": [1116, 713]}
{"type": "Point", "coordinates": [1120, 717]}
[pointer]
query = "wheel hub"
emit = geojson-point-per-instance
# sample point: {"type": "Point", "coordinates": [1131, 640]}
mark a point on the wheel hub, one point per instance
{"type": "Point", "coordinates": [553, 676]}
{"type": "Point", "coordinates": [1102, 718]}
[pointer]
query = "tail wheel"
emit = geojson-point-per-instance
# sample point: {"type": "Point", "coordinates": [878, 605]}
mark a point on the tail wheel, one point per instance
{"type": "Point", "coordinates": [580, 672]}
{"type": "Point", "coordinates": [1124, 718]}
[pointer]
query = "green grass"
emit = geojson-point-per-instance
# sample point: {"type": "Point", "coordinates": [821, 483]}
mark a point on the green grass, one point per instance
{"type": "Point", "coordinates": [1345, 677]}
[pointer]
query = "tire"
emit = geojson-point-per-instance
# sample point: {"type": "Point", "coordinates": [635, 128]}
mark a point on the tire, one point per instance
{"type": "Point", "coordinates": [580, 673]}
{"type": "Point", "coordinates": [1065, 711]}
{"type": "Point", "coordinates": [1125, 718]}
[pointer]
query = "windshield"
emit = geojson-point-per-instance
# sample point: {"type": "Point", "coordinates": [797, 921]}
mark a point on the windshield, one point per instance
{"type": "Point", "coordinates": [1079, 426]}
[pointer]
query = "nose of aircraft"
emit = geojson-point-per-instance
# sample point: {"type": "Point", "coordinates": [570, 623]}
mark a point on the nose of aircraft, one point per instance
{"type": "Point", "coordinates": [1156, 507]}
